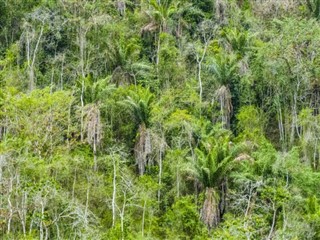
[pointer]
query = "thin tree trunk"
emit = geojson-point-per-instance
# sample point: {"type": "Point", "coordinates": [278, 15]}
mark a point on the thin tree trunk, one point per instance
{"type": "Point", "coordinates": [23, 212]}
{"type": "Point", "coordinates": [95, 165]}
{"type": "Point", "coordinates": [74, 184]}
{"type": "Point", "coordinates": [315, 152]}
{"type": "Point", "coordinates": [52, 80]}
{"type": "Point", "coordinates": [158, 52]}
{"type": "Point", "coordinates": [87, 203]}
{"type": "Point", "coordinates": [31, 222]}
{"type": "Point", "coordinates": [114, 192]}
{"type": "Point", "coordinates": [294, 119]}
{"type": "Point", "coordinates": [69, 124]}
{"type": "Point", "coordinates": [28, 57]}
{"type": "Point", "coordinates": [249, 202]}
{"type": "Point", "coordinates": [47, 232]}
{"type": "Point", "coordinates": [41, 221]}
{"type": "Point", "coordinates": [281, 129]}
{"type": "Point", "coordinates": [143, 218]}
{"type": "Point", "coordinates": [122, 214]}
{"type": "Point", "coordinates": [61, 74]}
{"type": "Point", "coordinates": [273, 221]}
{"type": "Point", "coordinates": [31, 66]}
{"type": "Point", "coordinates": [10, 214]}
{"type": "Point", "coordinates": [178, 182]}
{"type": "Point", "coordinates": [58, 231]}
{"type": "Point", "coordinates": [200, 80]}
{"type": "Point", "coordinates": [284, 228]}
{"type": "Point", "coordinates": [199, 61]}
{"type": "Point", "coordinates": [10, 205]}
{"type": "Point", "coordinates": [160, 174]}
{"type": "Point", "coordinates": [82, 40]}
{"type": "Point", "coordinates": [82, 107]}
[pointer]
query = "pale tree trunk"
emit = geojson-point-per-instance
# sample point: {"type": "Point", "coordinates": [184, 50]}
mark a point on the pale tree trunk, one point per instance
{"type": "Point", "coordinates": [250, 205]}
{"type": "Point", "coordinates": [273, 221]}
{"type": "Point", "coordinates": [74, 184]}
{"type": "Point", "coordinates": [285, 221]}
{"type": "Point", "coordinates": [22, 212]}
{"type": "Point", "coordinates": [52, 80]}
{"type": "Point", "coordinates": [58, 230]}
{"type": "Point", "coordinates": [10, 206]}
{"type": "Point", "coordinates": [161, 145]}
{"type": "Point", "coordinates": [114, 192]}
{"type": "Point", "coordinates": [29, 59]}
{"type": "Point", "coordinates": [178, 181]}
{"type": "Point", "coordinates": [160, 173]}
{"type": "Point", "coordinates": [158, 54]}
{"type": "Point", "coordinates": [199, 79]}
{"type": "Point", "coordinates": [199, 60]}
{"type": "Point", "coordinates": [143, 217]}
{"type": "Point", "coordinates": [41, 221]}
{"type": "Point", "coordinates": [31, 222]}
{"type": "Point", "coordinates": [61, 74]}
{"type": "Point", "coordinates": [95, 165]}
{"type": "Point", "coordinates": [280, 124]}
{"type": "Point", "coordinates": [315, 153]}
{"type": "Point", "coordinates": [177, 171]}
{"type": "Point", "coordinates": [69, 124]}
{"type": "Point", "coordinates": [10, 213]}
{"type": "Point", "coordinates": [81, 42]}
{"type": "Point", "coordinates": [47, 232]}
{"type": "Point", "coordinates": [122, 213]}
{"type": "Point", "coordinates": [31, 62]}
{"type": "Point", "coordinates": [97, 133]}
{"type": "Point", "coordinates": [294, 123]}
{"type": "Point", "coordinates": [43, 204]}
{"type": "Point", "coordinates": [82, 46]}
{"type": "Point", "coordinates": [249, 202]}
{"type": "Point", "coordinates": [86, 211]}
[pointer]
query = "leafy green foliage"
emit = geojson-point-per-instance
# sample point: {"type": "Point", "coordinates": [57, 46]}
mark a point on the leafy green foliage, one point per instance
{"type": "Point", "coordinates": [159, 119]}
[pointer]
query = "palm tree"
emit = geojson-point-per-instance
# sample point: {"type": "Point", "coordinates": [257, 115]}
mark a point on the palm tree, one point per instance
{"type": "Point", "coordinates": [159, 14]}
{"type": "Point", "coordinates": [223, 67]}
{"type": "Point", "coordinates": [216, 156]}
{"type": "Point", "coordinates": [94, 93]}
{"type": "Point", "coordinates": [237, 41]}
{"type": "Point", "coordinates": [138, 102]}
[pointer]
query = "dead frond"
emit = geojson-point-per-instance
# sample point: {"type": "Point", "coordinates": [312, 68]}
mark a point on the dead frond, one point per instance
{"type": "Point", "coordinates": [210, 213]}
{"type": "Point", "coordinates": [224, 97]}
{"type": "Point", "coordinates": [150, 27]}
{"type": "Point", "coordinates": [242, 157]}
{"type": "Point", "coordinates": [93, 124]}
{"type": "Point", "coordinates": [142, 148]}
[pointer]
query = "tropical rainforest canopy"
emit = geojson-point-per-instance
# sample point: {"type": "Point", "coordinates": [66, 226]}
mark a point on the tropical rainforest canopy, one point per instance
{"type": "Point", "coordinates": [159, 119]}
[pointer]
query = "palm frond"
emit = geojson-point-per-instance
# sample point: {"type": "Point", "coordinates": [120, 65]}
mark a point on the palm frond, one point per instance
{"type": "Point", "coordinates": [138, 103]}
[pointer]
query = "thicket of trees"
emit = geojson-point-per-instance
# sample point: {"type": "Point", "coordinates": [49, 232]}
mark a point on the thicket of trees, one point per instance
{"type": "Point", "coordinates": [159, 119]}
